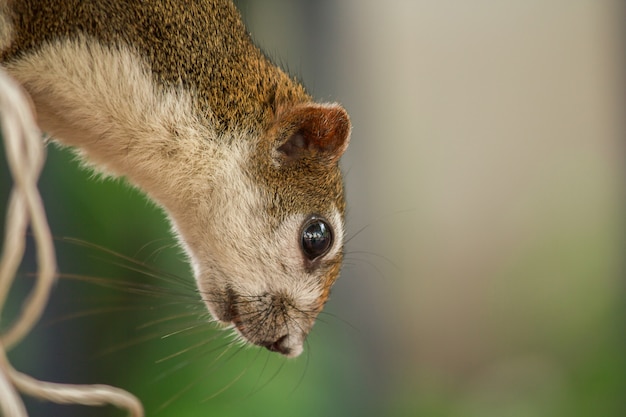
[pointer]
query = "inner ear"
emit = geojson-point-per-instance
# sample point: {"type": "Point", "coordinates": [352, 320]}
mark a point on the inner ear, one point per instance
{"type": "Point", "coordinates": [314, 130]}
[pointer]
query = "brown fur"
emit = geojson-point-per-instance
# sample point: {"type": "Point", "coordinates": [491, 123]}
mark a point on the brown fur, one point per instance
{"type": "Point", "coordinates": [202, 45]}
{"type": "Point", "coordinates": [175, 96]}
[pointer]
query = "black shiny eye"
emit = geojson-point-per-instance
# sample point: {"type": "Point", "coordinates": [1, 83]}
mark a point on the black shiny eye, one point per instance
{"type": "Point", "coordinates": [317, 237]}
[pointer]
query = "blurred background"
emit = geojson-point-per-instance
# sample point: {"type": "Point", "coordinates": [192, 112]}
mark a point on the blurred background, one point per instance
{"type": "Point", "coordinates": [485, 263]}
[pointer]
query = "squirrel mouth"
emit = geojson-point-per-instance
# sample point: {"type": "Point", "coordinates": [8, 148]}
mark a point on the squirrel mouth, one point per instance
{"type": "Point", "coordinates": [271, 331]}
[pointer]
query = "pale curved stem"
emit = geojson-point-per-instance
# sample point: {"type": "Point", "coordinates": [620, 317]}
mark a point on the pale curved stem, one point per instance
{"type": "Point", "coordinates": [25, 157]}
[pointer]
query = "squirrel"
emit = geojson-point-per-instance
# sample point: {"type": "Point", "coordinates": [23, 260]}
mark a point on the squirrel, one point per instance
{"type": "Point", "coordinates": [174, 96]}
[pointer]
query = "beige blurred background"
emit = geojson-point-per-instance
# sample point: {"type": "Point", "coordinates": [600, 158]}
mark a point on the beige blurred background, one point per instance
{"type": "Point", "coordinates": [487, 166]}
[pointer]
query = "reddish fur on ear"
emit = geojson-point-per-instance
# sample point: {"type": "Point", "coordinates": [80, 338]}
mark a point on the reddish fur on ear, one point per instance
{"type": "Point", "coordinates": [315, 130]}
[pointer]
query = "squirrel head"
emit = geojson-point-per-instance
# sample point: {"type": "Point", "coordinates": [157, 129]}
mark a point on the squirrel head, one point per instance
{"type": "Point", "coordinates": [276, 228]}
{"type": "Point", "coordinates": [242, 160]}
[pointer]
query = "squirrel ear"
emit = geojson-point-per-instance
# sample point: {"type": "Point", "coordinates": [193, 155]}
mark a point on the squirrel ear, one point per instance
{"type": "Point", "coordinates": [321, 130]}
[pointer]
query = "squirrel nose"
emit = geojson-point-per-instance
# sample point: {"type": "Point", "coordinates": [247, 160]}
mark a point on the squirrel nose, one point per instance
{"type": "Point", "coordinates": [279, 345]}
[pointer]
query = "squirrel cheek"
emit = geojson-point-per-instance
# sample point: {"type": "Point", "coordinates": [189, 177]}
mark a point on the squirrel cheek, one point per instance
{"type": "Point", "coordinates": [328, 280]}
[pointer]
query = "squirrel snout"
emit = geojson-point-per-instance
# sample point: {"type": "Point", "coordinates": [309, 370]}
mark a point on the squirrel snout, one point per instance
{"type": "Point", "coordinates": [280, 345]}
{"type": "Point", "coordinates": [269, 321]}
{"type": "Point", "coordinates": [289, 345]}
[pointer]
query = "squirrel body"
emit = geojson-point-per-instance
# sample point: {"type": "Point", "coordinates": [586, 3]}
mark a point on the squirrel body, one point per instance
{"type": "Point", "coordinates": [175, 96]}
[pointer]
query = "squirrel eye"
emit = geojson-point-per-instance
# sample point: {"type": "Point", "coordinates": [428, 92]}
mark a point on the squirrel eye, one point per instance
{"type": "Point", "coordinates": [317, 238]}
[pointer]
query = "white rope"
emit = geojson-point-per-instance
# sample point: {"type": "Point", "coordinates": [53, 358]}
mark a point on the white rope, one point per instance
{"type": "Point", "coordinates": [25, 157]}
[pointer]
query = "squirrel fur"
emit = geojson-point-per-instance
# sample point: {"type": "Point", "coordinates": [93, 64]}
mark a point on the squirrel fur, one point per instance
{"type": "Point", "coordinates": [174, 96]}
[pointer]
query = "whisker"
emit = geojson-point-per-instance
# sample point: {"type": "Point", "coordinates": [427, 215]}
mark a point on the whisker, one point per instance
{"type": "Point", "coordinates": [183, 330]}
{"type": "Point", "coordinates": [166, 319]}
{"type": "Point", "coordinates": [89, 313]}
{"type": "Point", "coordinates": [304, 371]}
{"type": "Point", "coordinates": [132, 288]}
{"type": "Point", "coordinates": [256, 384]}
{"type": "Point", "coordinates": [379, 272]}
{"type": "Point", "coordinates": [226, 387]}
{"type": "Point", "coordinates": [157, 251]}
{"type": "Point", "coordinates": [233, 381]}
{"type": "Point", "coordinates": [179, 394]}
{"type": "Point", "coordinates": [189, 386]}
{"type": "Point", "coordinates": [269, 380]}
{"type": "Point", "coordinates": [377, 255]}
{"type": "Point", "coordinates": [156, 335]}
{"type": "Point", "coordinates": [339, 319]}
{"type": "Point", "coordinates": [128, 344]}
{"type": "Point", "coordinates": [194, 359]}
{"type": "Point", "coordinates": [155, 274]}
{"type": "Point", "coordinates": [378, 220]}
{"type": "Point", "coordinates": [188, 349]}
{"type": "Point", "coordinates": [149, 271]}
{"type": "Point", "coordinates": [358, 232]}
